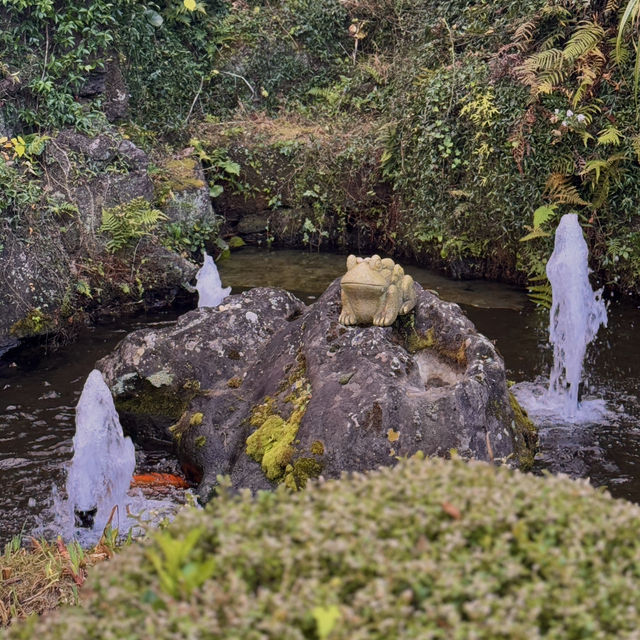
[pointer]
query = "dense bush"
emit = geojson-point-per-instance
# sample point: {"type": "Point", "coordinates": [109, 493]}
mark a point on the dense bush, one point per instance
{"type": "Point", "coordinates": [177, 62]}
{"type": "Point", "coordinates": [429, 549]}
{"type": "Point", "coordinates": [508, 107]}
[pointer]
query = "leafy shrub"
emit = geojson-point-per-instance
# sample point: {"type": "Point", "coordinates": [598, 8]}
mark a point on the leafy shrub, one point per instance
{"type": "Point", "coordinates": [428, 549]}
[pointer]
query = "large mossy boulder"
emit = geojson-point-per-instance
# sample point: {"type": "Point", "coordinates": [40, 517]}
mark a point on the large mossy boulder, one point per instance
{"type": "Point", "coordinates": [429, 549]}
{"type": "Point", "coordinates": [269, 391]}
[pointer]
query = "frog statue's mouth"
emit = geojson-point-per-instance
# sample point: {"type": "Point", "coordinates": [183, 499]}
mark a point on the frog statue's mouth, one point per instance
{"type": "Point", "coordinates": [358, 291]}
{"type": "Point", "coordinates": [359, 286]}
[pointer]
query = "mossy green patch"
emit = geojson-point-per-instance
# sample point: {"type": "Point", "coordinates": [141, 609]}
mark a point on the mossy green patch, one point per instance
{"type": "Point", "coordinates": [415, 341]}
{"type": "Point", "coordinates": [200, 441]}
{"type": "Point", "coordinates": [317, 448]}
{"type": "Point", "coordinates": [181, 174]}
{"type": "Point", "coordinates": [185, 422]}
{"type": "Point", "coordinates": [298, 473]}
{"type": "Point", "coordinates": [33, 324]}
{"type": "Point", "coordinates": [272, 443]}
{"type": "Point", "coordinates": [196, 419]}
{"type": "Point", "coordinates": [525, 434]}
{"type": "Point", "coordinates": [168, 402]}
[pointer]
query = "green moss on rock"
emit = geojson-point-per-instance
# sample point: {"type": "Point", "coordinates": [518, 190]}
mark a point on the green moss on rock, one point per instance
{"type": "Point", "coordinates": [155, 401]}
{"type": "Point", "coordinates": [182, 174]}
{"type": "Point", "coordinates": [525, 435]}
{"type": "Point", "coordinates": [300, 472]}
{"type": "Point", "coordinates": [272, 443]}
{"type": "Point", "coordinates": [317, 448]}
{"type": "Point", "coordinates": [34, 323]}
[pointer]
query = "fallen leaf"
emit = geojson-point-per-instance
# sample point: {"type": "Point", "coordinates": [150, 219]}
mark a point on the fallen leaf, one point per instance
{"type": "Point", "coordinates": [450, 510]}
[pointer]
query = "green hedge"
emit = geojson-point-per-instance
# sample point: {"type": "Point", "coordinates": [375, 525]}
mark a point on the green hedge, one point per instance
{"type": "Point", "coordinates": [428, 549]}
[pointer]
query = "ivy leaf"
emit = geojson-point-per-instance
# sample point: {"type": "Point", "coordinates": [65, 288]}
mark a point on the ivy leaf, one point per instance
{"type": "Point", "coordinates": [190, 4]}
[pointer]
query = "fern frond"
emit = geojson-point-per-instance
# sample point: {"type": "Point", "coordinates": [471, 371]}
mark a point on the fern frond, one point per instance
{"type": "Point", "coordinates": [560, 190]}
{"type": "Point", "coordinates": [609, 135]}
{"type": "Point", "coordinates": [612, 6]}
{"type": "Point", "coordinates": [540, 294]}
{"type": "Point", "coordinates": [635, 145]}
{"type": "Point", "coordinates": [564, 164]}
{"type": "Point", "coordinates": [524, 34]}
{"type": "Point", "coordinates": [547, 60]}
{"type": "Point", "coordinates": [583, 40]}
{"type": "Point", "coordinates": [127, 222]}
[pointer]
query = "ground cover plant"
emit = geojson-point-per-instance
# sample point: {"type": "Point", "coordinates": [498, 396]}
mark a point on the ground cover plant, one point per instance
{"type": "Point", "coordinates": [36, 575]}
{"type": "Point", "coordinates": [429, 549]}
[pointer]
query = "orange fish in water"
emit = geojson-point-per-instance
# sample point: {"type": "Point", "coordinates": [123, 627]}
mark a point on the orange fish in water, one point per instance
{"type": "Point", "coordinates": [158, 480]}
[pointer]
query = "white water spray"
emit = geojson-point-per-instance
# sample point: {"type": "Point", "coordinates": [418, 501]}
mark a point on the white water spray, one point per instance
{"type": "Point", "coordinates": [209, 285]}
{"type": "Point", "coordinates": [103, 459]}
{"type": "Point", "coordinates": [576, 313]}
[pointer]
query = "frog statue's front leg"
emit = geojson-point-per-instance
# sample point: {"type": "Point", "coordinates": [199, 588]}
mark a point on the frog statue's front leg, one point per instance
{"type": "Point", "coordinates": [387, 310]}
{"type": "Point", "coordinates": [347, 315]}
{"type": "Point", "coordinates": [408, 295]}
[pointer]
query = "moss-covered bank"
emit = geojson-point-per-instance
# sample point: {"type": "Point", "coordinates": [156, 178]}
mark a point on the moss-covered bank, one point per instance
{"type": "Point", "coordinates": [428, 549]}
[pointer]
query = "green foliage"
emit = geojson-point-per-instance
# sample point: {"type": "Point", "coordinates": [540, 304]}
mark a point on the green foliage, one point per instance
{"type": "Point", "coordinates": [486, 553]}
{"type": "Point", "coordinates": [128, 222]}
{"type": "Point", "coordinates": [189, 237]}
{"type": "Point", "coordinates": [179, 563]}
{"type": "Point", "coordinates": [49, 48]}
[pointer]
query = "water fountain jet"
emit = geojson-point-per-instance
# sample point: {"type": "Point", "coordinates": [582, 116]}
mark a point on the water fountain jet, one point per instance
{"type": "Point", "coordinates": [209, 285]}
{"type": "Point", "coordinates": [103, 459]}
{"type": "Point", "coordinates": [577, 312]}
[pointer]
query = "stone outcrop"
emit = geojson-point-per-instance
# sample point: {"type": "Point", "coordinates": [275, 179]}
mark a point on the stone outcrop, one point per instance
{"type": "Point", "coordinates": [55, 263]}
{"type": "Point", "coordinates": [267, 390]}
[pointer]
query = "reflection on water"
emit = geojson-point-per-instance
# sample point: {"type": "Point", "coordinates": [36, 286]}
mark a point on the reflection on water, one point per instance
{"type": "Point", "coordinates": [38, 393]}
{"type": "Point", "coordinates": [308, 274]}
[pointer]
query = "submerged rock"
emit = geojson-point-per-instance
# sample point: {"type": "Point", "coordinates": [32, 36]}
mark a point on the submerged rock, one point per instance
{"type": "Point", "coordinates": [267, 390]}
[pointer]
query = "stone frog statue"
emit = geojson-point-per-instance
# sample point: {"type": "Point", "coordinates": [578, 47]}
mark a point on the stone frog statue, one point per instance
{"type": "Point", "coordinates": [375, 291]}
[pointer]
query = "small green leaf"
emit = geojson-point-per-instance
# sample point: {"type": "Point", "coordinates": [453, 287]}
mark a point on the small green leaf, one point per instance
{"type": "Point", "coordinates": [215, 190]}
{"type": "Point", "coordinates": [230, 167]}
{"type": "Point", "coordinates": [83, 288]}
{"type": "Point", "coordinates": [326, 619]}
{"type": "Point", "coordinates": [190, 4]}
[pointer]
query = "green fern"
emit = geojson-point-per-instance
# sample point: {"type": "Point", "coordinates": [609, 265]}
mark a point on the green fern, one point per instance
{"type": "Point", "coordinates": [128, 222]}
{"type": "Point", "coordinates": [584, 39]}
{"type": "Point", "coordinates": [610, 135]}
{"type": "Point", "coordinates": [540, 293]}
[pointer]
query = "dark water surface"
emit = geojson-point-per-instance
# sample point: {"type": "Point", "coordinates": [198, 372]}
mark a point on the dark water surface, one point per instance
{"type": "Point", "coordinates": [38, 391]}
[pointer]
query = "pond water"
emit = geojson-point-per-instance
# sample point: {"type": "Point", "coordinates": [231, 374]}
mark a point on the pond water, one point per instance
{"type": "Point", "coordinates": [39, 391]}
